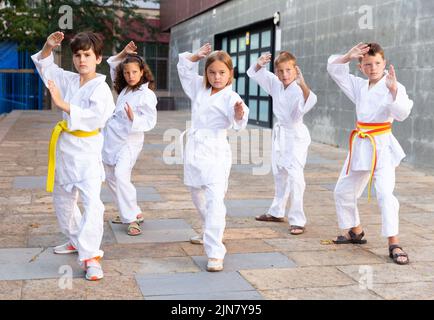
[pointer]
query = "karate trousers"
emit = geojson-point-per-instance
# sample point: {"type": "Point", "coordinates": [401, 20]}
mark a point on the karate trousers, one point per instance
{"type": "Point", "coordinates": [350, 187]}
{"type": "Point", "coordinates": [289, 183]}
{"type": "Point", "coordinates": [209, 201]}
{"type": "Point", "coordinates": [118, 179]}
{"type": "Point", "coordinates": [85, 231]}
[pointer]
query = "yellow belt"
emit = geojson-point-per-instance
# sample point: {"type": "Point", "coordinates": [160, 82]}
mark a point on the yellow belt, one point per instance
{"type": "Point", "coordinates": [61, 126]}
{"type": "Point", "coordinates": [369, 130]}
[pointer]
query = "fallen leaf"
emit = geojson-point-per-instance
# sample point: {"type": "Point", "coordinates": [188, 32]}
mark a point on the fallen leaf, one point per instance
{"type": "Point", "coordinates": [326, 242]}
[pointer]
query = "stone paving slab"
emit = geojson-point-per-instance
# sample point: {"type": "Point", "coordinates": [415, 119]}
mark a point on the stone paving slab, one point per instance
{"type": "Point", "coordinates": [306, 277]}
{"type": "Point", "coordinates": [234, 295]}
{"type": "Point", "coordinates": [351, 292]}
{"type": "Point", "coordinates": [247, 208]}
{"type": "Point", "coordinates": [143, 194]}
{"type": "Point", "coordinates": [8, 122]}
{"type": "Point", "coordinates": [159, 147]}
{"type": "Point", "coordinates": [246, 168]}
{"type": "Point", "coordinates": [303, 245]}
{"type": "Point", "coordinates": [168, 230]}
{"type": "Point", "coordinates": [10, 290]}
{"type": "Point", "coordinates": [46, 240]}
{"type": "Point", "coordinates": [116, 251]}
{"type": "Point", "coordinates": [38, 182]}
{"type": "Point", "coordinates": [353, 255]}
{"type": "Point", "coordinates": [250, 233]}
{"type": "Point", "coordinates": [36, 263]}
{"type": "Point", "coordinates": [116, 287]}
{"type": "Point", "coordinates": [393, 273]}
{"type": "Point", "coordinates": [319, 272]}
{"type": "Point", "coordinates": [317, 159]}
{"type": "Point", "coordinates": [199, 284]}
{"type": "Point", "coordinates": [12, 241]}
{"type": "Point", "coordinates": [405, 291]}
{"type": "Point", "coordinates": [244, 261]}
{"type": "Point", "coordinates": [126, 267]}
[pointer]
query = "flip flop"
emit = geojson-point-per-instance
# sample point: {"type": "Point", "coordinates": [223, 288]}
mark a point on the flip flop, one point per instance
{"type": "Point", "coordinates": [268, 217]}
{"type": "Point", "coordinates": [117, 220]}
{"type": "Point", "coordinates": [293, 230]}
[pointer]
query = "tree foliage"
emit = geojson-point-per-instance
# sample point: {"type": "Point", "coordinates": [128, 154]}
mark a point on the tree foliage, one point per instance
{"type": "Point", "coordinates": [28, 22]}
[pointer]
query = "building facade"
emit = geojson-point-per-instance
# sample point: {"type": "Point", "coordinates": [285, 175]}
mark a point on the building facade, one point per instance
{"type": "Point", "coordinates": [313, 30]}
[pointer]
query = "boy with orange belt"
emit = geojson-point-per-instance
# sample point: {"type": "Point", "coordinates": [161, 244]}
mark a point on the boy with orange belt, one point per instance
{"type": "Point", "coordinates": [374, 151]}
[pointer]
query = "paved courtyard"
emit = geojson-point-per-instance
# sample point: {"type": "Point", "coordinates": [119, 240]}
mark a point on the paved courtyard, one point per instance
{"type": "Point", "coordinates": [263, 260]}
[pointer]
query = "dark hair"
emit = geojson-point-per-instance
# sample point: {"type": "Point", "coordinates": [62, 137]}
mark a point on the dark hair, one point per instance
{"type": "Point", "coordinates": [284, 56]}
{"type": "Point", "coordinates": [221, 56]}
{"type": "Point", "coordinates": [120, 83]}
{"type": "Point", "coordinates": [87, 40]}
{"type": "Point", "coordinates": [374, 48]}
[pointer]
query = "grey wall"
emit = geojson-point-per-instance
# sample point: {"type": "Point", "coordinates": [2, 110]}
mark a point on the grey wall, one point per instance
{"type": "Point", "coordinates": [315, 29]}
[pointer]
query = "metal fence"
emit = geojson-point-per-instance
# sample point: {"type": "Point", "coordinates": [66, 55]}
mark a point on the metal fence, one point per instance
{"type": "Point", "coordinates": [20, 89]}
{"type": "Point", "coordinates": [20, 85]}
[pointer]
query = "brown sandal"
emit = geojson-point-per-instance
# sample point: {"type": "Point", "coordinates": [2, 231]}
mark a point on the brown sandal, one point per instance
{"type": "Point", "coordinates": [354, 238]}
{"type": "Point", "coordinates": [134, 226]}
{"type": "Point", "coordinates": [395, 256]}
{"type": "Point", "coordinates": [268, 217]}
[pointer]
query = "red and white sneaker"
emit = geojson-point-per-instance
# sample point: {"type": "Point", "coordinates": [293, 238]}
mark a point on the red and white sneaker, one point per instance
{"type": "Point", "coordinates": [93, 269]}
{"type": "Point", "coordinates": [66, 248]}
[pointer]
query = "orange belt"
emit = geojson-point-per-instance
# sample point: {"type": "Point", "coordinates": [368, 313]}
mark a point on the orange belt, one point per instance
{"type": "Point", "coordinates": [369, 130]}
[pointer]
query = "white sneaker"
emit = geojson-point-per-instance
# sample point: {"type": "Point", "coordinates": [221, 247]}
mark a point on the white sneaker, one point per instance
{"type": "Point", "coordinates": [93, 270]}
{"type": "Point", "coordinates": [214, 265]}
{"type": "Point", "coordinates": [197, 239]}
{"type": "Point", "coordinates": [65, 249]}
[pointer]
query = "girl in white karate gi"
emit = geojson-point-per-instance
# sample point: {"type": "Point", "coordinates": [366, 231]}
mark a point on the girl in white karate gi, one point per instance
{"type": "Point", "coordinates": [135, 113]}
{"type": "Point", "coordinates": [374, 151]}
{"type": "Point", "coordinates": [87, 103]}
{"type": "Point", "coordinates": [292, 99]}
{"type": "Point", "coordinates": [207, 161]}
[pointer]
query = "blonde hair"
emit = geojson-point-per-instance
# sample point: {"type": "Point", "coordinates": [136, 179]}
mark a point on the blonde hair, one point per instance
{"type": "Point", "coordinates": [284, 56]}
{"type": "Point", "coordinates": [221, 56]}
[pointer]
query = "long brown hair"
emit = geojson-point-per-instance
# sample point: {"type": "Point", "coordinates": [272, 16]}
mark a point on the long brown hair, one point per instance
{"type": "Point", "coordinates": [120, 83]}
{"type": "Point", "coordinates": [221, 56]}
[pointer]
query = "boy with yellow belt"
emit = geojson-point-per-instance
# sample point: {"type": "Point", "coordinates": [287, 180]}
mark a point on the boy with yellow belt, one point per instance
{"type": "Point", "coordinates": [75, 165]}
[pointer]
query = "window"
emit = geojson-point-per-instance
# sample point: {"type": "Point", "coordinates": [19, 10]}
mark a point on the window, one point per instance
{"type": "Point", "coordinates": [156, 56]}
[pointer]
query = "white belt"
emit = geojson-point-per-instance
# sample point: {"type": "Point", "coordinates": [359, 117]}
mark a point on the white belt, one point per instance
{"type": "Point", "coordinates": [278, 137]}
{"type": "Point", "coordinates": [279, 132]}
{"type": "Point", "coordinates": [201, 135]}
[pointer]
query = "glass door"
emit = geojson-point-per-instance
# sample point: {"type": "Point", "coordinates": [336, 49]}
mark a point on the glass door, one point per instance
{"type": "Point", "coordinates": [245, 47]}
{"type": "Point", "coordinates": [258, 100]}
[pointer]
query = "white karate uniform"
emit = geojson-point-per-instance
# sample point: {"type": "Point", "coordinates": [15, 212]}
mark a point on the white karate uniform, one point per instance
{"type": "Point", "coordinates": [291, 140]}
{"type": "Point", "coordinates": [123, 141]}
{"type": "Point", "coordinates": [208, 157]}
{"type": "Point", "coordinates": [374, 105]}
{"type": "Point", "coordinates": [79, 167]}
